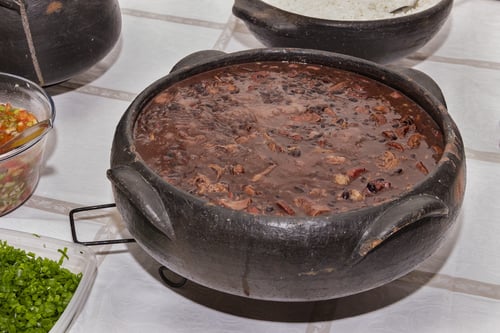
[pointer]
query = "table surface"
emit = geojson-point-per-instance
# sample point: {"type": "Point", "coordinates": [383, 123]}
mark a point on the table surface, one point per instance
{"type": "Point", "coordinates": [456, 290]}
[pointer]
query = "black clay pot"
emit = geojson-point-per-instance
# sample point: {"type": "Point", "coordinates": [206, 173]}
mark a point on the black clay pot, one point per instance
{"type": "Point", "coordinates": [289, 258]}
{"type": "Point", "coordinates": [50, 41]}
{"type": "Point", "coordinates": [383, 40]}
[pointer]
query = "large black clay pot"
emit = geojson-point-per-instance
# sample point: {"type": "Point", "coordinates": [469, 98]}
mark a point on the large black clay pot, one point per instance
{"type": "Point", "coordinates": [289, 258]}
{"type": "Point", "coordinates": [49, 41]}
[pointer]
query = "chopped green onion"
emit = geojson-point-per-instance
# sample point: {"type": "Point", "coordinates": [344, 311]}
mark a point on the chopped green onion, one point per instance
{"type": "Point", "coordinates": [63, 255]}
{"type": "Point", "coordinates": [34, 291]}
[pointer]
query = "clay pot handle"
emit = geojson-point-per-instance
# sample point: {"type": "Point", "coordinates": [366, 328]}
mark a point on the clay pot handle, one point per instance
{"type": "Point", "coordinates": [11, 4]}
{"type": "Point", "coordinates": [265, 15]}
{"type": "Point", "coordinates": [143, 196]}
{"type": "Point", "coordinates": [422, 79]}
{"type": "Point", "coordinates": [394, 219]}
{"type": "Point", "coordinates": [196, 58]}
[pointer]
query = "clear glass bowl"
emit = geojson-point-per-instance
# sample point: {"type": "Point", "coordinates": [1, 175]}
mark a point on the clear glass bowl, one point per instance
{"type": "Point", "coordinates": [20, 167]}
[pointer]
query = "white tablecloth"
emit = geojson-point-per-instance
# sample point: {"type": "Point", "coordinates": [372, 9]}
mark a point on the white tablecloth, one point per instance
{"type": "Point", "coordinates": [456, 290]}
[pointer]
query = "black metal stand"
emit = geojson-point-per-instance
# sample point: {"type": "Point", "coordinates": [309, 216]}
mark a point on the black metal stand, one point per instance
{"type": "Point", "coordinates": [101, 242]}
{"type": "Point", "coordinates": [161, 270]}
{"type": "Point", "coordinates": [174, 284]}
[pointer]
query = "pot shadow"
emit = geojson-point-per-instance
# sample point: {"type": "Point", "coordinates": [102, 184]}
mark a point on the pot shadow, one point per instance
{"type": "Point", "coordinates": [308, 311]}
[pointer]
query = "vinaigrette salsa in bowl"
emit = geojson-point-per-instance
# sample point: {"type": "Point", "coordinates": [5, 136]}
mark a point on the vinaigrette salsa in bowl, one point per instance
{"type": "Point", "coordinates": [22, 104]}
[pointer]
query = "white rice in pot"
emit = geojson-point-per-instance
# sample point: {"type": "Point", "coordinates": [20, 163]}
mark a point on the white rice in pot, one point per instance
{"type": "Point", "coordinates": [349, 9]}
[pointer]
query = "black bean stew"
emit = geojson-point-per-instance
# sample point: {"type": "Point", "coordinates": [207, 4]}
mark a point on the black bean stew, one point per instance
{"type": "Point", "coordinates": [287, 139]}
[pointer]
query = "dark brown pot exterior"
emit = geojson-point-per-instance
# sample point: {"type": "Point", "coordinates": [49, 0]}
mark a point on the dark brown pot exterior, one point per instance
{"type": "Point", "coordinates": [382, 41]}
{"type": "Point", "coordinates": [289, 258]}
{"type": "Point", "coordinates": [67, 37]}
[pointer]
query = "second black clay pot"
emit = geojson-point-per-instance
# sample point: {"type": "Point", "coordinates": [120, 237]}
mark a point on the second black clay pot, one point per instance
{"type": "Point", "coordinates": [50, 41]}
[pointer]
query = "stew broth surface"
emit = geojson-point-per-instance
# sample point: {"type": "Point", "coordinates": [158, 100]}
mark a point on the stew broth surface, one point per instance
{"type": "Point", "coordinates": [283, 138]}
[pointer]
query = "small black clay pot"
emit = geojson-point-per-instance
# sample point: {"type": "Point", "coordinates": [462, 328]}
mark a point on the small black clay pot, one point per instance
{"type": "Point", "coordinates": [289, 258]}
{"type": "Point", "coordinates": [50, 41]}
{"type": "Point", "coordinates": [383, 40]}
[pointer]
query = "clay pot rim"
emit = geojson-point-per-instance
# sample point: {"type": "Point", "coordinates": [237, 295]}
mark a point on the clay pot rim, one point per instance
{"type": "Point", "coordinates": [453, 143]}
